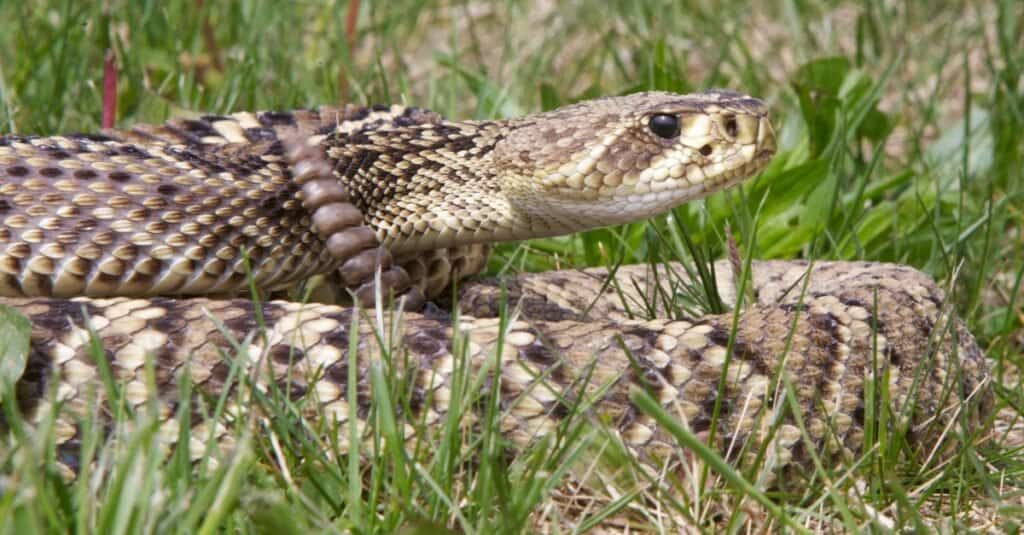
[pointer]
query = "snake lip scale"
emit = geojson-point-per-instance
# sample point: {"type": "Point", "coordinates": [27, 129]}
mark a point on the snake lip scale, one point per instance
{"type": "Point", "coordinates": [137, 235]}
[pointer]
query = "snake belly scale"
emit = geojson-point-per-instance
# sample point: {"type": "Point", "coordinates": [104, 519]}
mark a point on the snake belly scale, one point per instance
{"type": "Point", "coordinates": [111, 232]}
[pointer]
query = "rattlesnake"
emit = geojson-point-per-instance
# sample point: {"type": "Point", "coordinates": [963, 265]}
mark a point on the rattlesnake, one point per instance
{"type": "Point", "coordinates": [123, 232]}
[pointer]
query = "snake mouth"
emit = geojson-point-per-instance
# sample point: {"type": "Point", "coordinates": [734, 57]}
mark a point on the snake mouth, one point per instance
{"type": "Point", "coordinates": [741, 173]}
{"type": "Point", "coordinates": [586, 214]}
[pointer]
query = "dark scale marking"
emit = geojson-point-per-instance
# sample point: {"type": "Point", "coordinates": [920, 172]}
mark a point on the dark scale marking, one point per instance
{"type": "Point", "coordinates": [876, 323]}
{"type": "Point", "coordinates": [337, 373]}
{"type": "Point", "coordinates": [199, 128]}
{"type": "Point", "coordinates": [292, 389]}
{"type": "Point", "coordinates": [167, 189]}
{"type": "Point", "coordinates": [17, 170]}
{"type": "Point", "coordinates": [108, 279]}
{"type": "Point", "coordinates": [402, 121]}
{"type": "Point", "coordinates": [719, 335]}
{"type": "Point", "coordinates": [115, 341]}
{"type": "Point", "coordinates": [269, 203]}
{"type": "Point", "coordinates": [538, 307]}
{"type": "Point", "coordinates": [129, 250]}
{"type": "Point", "coordinates": [799, 452]}
{"type": "Point", "coordinates": [55, 152]}
{"type": "Point", "coordinates": [858, 415]}
{"type": "Point", "coordinates": [538, 353]}
{"type": "Point", "coordinates": [375, 125]}
{"type": "Point", "coordinates": [380, 107]}
{"type": "Point", "coordinates": [257, 134]}
{"type": "Point", "coordinates": [250, 164]}
{"type": "Point", "coordinates": [651, 376]}
{"type": "Point", "coordinates": [219, 373]}
{"type": "Point", "coordinates": [366, 160]}
{"type": "Point", "coordinates": [196, 159]}
{"type": "Point", "coordinates": [134, 151]}
{"type": "Point", "coordinates": [559, 410]}
{"type": "Point", "coordinates": [749, 103]}
{"type": "Point", "coordinates": [435, 333]}
{"type": "Point", "coordinates": [44, 283]}
{"type": "Point", "coordinates": [184, 136]}
{"type": "Point", "coordinates": [461, 143]}
{"type": "Point", "coordinates": [745, 352]}
{"type": "Point", "coordinates": [417, 398]}
{"type": "Point", "coordinates": [69, 453]}
{"type": "Point", "coordinates": [422, 344]}
{"type": "Point", "coordinates": [84, 174]}
{"type": "Point", "coordinates": [119, 176]}
{"type": "Point", "coordinates": [244, 322]}
{"type": "Point", "coordinates": [213, 118]}
{"type": "Point", "coordinates": [429, 165]}
{"type": "Point", "coordinates": [934, 296]}
{"type": "Point", "coordinates": [85, 225]}
{"type": "Point", "coordinates": [98, 138]}
{"type": "Point", "coordinates": [702, 422]}
{"type": "Point", "coordinates": [58, 319]}
{"type": "Point", "coordinates": [893, 356]}
{"type": "Point", "coordinates": [286, 354]}
{"type": "Point", "coordinates": [272, 205]}
{"type": "Point", "coordinates": [31, 387]}
{"type": "Point", "coordinates": [274, 148]}
{"type": "Point", "coordinates": [51, 172]}
{"type": "Point", "coordinates": [793, 307]}
{"type": "Point", "coordinates": [164, 357]}
{"type": "Point", "coordinates": [432, 311]}
{"type": "Point", "coordinates": [825, 332]}
{"type": "Point", "coordinates": [853, 302]}
{"type": "Point", "coordinates": [647, 335]}
{"type": "Point", "coordinates": [825, 336]}
{"type": "Point", "coordinates": [358, 115]}
{"type": "Point", "coordinates": [4, 206]}
{"type": "Point", "coordinates": [10, 280]}
{"type": "Point", "coordinates": [275, 118]}
{"type": "Point", "coordinates": [363, 403]}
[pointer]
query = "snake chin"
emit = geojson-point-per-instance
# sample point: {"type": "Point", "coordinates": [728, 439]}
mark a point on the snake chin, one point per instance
{"type": "Point", "coordinates": [731, 178]}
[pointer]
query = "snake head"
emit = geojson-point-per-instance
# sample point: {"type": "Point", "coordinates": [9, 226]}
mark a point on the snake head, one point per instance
{"type": "Point", "coordinates": [619, 159]}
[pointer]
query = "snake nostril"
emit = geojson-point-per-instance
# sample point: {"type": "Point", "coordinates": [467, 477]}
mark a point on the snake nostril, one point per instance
{"type": "Point", "coordinates": [706, 150]}
{"type": "Point", "coordinates": [732, 128]}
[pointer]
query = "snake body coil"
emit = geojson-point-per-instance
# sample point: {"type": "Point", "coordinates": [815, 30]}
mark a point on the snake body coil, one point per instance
{"type": "Point", "coordinates": [191, 207]}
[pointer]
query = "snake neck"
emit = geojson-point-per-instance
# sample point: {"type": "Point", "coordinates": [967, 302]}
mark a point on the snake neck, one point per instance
{"type": "Point", "coordinates": [436, 184]}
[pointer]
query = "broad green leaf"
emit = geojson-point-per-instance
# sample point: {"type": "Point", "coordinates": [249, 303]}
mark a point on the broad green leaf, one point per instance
{"type": "Point", "coordinates": [788, 188]}
{"type": "Point", "coordinates": [15, 331]}
{"type": "Point", "coordinates": [823, 76]}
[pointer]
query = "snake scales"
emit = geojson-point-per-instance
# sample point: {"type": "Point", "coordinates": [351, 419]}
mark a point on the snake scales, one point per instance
{"type": "Point", "coordinates": [110, 232]}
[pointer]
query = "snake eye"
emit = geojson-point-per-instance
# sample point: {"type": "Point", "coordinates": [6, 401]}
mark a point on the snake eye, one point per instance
{"type": "Point", "coordinates": [664, 125]}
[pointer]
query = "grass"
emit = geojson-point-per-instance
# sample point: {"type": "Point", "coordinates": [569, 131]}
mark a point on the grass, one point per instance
{"type": "Point", "coordinates": [900, 140]}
